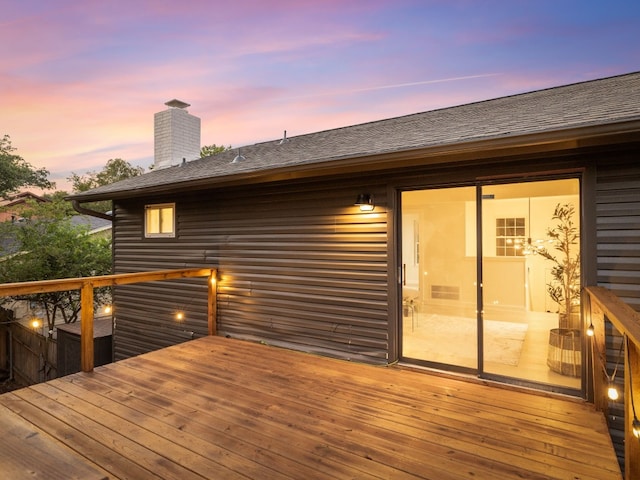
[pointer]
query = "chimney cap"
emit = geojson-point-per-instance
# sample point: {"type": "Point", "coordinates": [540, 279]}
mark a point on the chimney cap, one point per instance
{"type": "Point", "coordinates": [175, 103]}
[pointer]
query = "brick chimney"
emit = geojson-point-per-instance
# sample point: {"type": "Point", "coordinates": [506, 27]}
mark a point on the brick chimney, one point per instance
{"type": "Point", "coordinates": [176, 135]}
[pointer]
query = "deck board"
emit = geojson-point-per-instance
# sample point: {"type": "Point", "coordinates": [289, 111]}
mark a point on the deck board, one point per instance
{"type": "Point", "coordinates": [223, 408]}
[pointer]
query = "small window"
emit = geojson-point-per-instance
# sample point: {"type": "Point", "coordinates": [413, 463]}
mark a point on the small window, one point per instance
{"type": "Point", "coordinates": [510, 237]}
{"type": "Point", "coordinates": [160, 220]}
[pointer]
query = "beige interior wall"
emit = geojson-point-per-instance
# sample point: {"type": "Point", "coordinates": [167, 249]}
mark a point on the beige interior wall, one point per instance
{"type": "Point", "coordinates": [447, 251]}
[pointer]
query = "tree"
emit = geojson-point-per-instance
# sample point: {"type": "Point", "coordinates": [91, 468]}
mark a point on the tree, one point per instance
{"type": "Point", "coordinates": [115, 170]}
{"type": "Point", "coordinates": [213, 149]}
{"type": "Point", "coordinates": [51, 247]}
{"type": "Point", "coordinates": [16, 173]}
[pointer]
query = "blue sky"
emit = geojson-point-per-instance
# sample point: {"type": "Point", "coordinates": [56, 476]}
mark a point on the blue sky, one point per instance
{"type": "Point", "coordinates": [80, 80]}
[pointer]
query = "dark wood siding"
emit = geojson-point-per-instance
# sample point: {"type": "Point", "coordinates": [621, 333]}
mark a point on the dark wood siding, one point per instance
{"type": "Point", "coordinates": [299, 266]}
{"type": "Point", "coordinates": [618, 260]}
{"type": "Point", "coordinates": [618, 228]}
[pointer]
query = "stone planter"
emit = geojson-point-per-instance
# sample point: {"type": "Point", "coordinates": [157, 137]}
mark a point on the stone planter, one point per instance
{"type": "Point", "coordinates": [565, 351]}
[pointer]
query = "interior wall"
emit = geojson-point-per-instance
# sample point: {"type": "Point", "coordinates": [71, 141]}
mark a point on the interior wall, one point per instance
{"type": "Point", "coordinates": [447, 247]}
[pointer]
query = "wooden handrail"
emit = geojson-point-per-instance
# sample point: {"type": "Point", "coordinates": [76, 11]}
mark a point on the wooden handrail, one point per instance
{"type": "Point", "coordinates": [45, 286]}
{"type": "Point", "coordinates": [603, 304]}
{"type": "Point", "coordinates": [622, 316]}
{"type": "Point", "coordinates": [86, 286]}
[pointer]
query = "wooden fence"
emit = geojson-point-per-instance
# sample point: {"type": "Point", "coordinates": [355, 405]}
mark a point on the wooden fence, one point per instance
{"type": "Point", "coordinates": [27, 356]}
{"type": "Point", "coordinates": [86, 286]}
{"type": "Point", "coordinates": [603, 305]}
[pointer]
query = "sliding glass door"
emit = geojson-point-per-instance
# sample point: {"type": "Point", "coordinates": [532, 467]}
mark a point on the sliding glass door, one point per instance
{"type": "Point", "coordinates": [524, 322]}
{"type": "Point", "coordinates": [439, 276]}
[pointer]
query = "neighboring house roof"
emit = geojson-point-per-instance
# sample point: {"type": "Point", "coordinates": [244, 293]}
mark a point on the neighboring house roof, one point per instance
{"type": "Point", "coordinates": [574, 112]}
{"type": "Point", "coordinates": [11, 206]}
{"type": "Point", "coordinates": [20, 198]}
{"type": "Point", "coordinates": [95, 224]}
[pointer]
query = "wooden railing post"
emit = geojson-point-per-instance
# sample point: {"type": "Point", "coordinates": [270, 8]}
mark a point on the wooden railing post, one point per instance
{"type": "Point", "coordinates": [86, 327]}
{"type": "Point", "coordinates": [599, 348]}
{"type": "Point", "coordinates": [631, 387]}
{"type": "Point", "coordinates": [212, 301]}
{"type": "Point", "coordinates": [605, 304]}
{"type": "Point", "coordinates": [86, 286]}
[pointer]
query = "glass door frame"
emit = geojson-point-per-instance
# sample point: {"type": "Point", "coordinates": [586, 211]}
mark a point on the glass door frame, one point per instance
{"type": "Point", "coordinates": [479, 370]}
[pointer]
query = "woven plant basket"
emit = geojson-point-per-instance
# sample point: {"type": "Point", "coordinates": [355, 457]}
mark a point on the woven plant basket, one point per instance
{"type": "Point", "coordinates": [565, 351]}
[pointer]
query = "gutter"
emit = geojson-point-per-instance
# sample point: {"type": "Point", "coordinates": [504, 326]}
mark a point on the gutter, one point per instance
{"type": "Point", "coordinates": [87, 211]}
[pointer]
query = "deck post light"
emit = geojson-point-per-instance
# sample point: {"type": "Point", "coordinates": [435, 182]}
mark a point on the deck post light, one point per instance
{"type": "Point", "coordinates": [635, 426]}
{"type": "Point", "coordinates": [365, 202]}
{"type": "Point", "coordinates": [590, 330]}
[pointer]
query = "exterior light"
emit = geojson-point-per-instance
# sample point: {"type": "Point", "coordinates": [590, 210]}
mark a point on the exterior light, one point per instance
{"type": "Point", "coordinates": [635, 428]}
{"type": "Point", "coordinates": [108, 309]}
{"type": "Point", "coordinates": [612, 392]}
{"type": "Point", "coordinates": [179, 316]}
{"type": "Point", "coordinates": [36, 323]}
{"type": "Point", "coordinates": [365, 202]}
{"type": "Point", "coordinates": [590, 330]}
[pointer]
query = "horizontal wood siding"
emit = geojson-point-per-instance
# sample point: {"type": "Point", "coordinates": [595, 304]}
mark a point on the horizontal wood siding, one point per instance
{"type": "Point", "coordinates": [618, 262]}
{"type": "Point", "coordinates": [618, 229]}
{"type": "Point", "coordinates": [299, 267]}
{"type": "Point", "coordinates": [145, 314]}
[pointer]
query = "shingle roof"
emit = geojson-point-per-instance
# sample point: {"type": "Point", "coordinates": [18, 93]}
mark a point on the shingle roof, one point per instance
{"type": "Point", "coordinates": [597, 102]}
{"type": "Point", "coordinates": [90, 222]}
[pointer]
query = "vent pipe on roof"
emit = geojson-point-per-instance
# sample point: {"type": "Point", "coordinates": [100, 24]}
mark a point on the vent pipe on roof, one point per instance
{"type": "Point", "coordinates": [239, 158]}
{"type": "Point", "coordinates": [284, 138]}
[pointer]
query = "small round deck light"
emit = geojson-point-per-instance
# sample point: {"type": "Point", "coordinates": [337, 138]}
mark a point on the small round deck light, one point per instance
{"type": "Point", "coordinates": [179, 316]}
{"type": "Point", "coordinates": [36, 323]}
{"type": "Point", "coordinates": [612, 392]}
{"type": "Point", "coordinates": [108, 309]}
{"type": "Point", "coordinates": [365, 202]}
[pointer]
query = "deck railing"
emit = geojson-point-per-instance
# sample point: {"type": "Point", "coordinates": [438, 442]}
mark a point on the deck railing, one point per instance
{"type": "Point", "coordinates": [602, 304]}
{"type": "Point", "coordinates": [86, 286]}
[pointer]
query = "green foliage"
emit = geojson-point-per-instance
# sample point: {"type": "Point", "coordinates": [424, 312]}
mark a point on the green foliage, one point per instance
{"type": "Point", "coordinates": [213, 149]}
{"type": "Point", "coordinates": [16, 173]}
{"type": "Point", "coordinates": [115, 170]}
{"type": "Point", "coordinates": [56, 196]}
{"type": "Point", "coordinates": [564, 289]}
{"type": "Point", "coordinates": [56, 208]}
{"type": "Point", "coordinates": [51, 248]}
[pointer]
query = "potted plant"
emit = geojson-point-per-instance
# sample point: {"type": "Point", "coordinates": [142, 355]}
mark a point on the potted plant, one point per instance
{"type": "Point", "coordinates": [564, 289]}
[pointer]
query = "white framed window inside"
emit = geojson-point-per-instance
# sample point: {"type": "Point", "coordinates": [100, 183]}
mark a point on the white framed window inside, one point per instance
{"type": "Point", "coordinates": [510, 237]}
{"type": "Point", "coordinates": [160, 220]}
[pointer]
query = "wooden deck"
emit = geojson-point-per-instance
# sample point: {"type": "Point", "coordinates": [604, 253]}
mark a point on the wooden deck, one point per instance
{"type": "Point", "coordinates": [221, 408]}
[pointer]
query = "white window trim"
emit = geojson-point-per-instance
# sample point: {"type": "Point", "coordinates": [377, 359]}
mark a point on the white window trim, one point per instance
{"type": "Point", "coordinates": [157, 206]}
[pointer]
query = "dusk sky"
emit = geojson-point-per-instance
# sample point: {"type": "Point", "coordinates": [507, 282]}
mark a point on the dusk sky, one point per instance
{"type": "Point", "coordinates": [80, 80]}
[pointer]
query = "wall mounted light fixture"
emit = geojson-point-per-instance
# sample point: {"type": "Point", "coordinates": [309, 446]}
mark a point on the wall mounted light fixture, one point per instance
{"type": "Point", "coordinates": [365, 202]}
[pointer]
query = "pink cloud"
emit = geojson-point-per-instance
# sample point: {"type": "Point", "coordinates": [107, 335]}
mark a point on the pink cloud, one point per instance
{"type": "Point", "coordinates": [80, 81]}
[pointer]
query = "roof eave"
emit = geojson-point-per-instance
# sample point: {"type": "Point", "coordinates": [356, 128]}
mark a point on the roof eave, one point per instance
{"type": "Point", "coordinates": [473, 150]}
